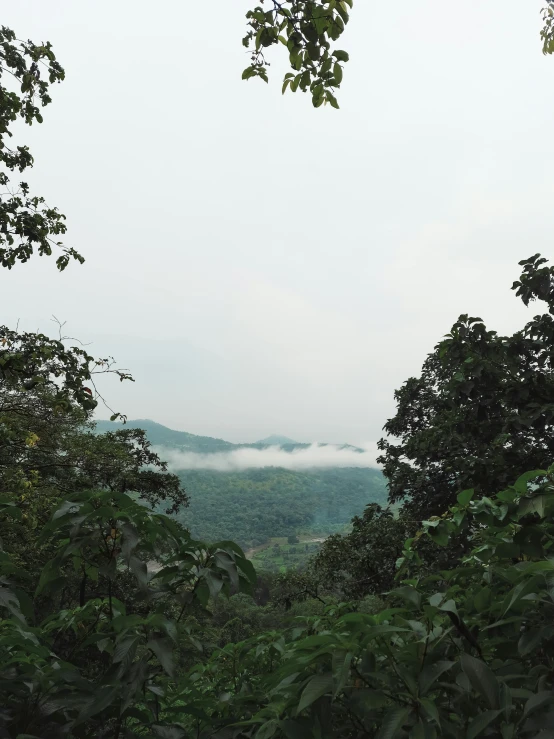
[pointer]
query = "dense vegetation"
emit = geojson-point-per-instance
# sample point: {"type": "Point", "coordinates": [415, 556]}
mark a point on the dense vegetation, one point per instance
{"type": "Point", "coordinates": [254, 505]}
{"type": "Point", "coordinates": [285, 554]}
{"type": "Point", "coordinates": [113, 622]}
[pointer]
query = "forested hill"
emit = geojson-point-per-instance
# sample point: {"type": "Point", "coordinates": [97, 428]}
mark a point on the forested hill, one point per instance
{"type": "Point", "coordinates": [159, 435]}
{"type": "Point", "coordinates": [255, 505]}
{"type": "Point", "coordinates": [252, 505]}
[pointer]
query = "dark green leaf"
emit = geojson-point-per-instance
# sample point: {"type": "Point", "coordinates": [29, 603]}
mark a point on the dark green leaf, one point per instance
{"type": "Point", "coordinates": [317, 686]}
{"type": "Point", "coordinates": [482, 679]}
{"type": "Point", "coordinates": [391, 724]}
{"type": "Point", "coordinates": [480, 723]}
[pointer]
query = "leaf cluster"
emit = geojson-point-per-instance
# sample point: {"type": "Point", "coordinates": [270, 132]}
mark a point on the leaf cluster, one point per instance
{"type": "Point", "coordinates": [307, 29]}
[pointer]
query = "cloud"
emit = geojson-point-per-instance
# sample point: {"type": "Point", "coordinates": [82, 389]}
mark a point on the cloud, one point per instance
{"type": "Point", "coordinates": [311, 457]}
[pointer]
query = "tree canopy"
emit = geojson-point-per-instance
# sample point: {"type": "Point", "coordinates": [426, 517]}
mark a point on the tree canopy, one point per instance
{"type": "Point", "coordinates": [482, 410]}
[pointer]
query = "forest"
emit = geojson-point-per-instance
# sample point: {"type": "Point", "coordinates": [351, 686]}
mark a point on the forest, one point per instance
{"type": "Point", "coordinates": [436, 620]}
{"type": "Point", "coordinates": [254, 505]}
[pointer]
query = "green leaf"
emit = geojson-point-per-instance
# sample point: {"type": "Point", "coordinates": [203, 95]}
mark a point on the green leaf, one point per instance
{"type": "Point", "coordinates": [514, 596]}
{"type": "Point", "coordinates": [521, 483]}
{"type": "Point", "coordinates": [103, 698]}
{"type": "Point", "coordinates": [214, 582]}
{"type": "Point", "coordinates": [449, 606]}
{"type": "Point", "coordinates": [267, 729]}
{"type": "Point", "coordinates": [392, 723]}
{"type": "Point", "coordinates": [337, 73]}
{"type": "Point", "coordinates": [49, 573]}
{"type": "Point", "coordinates": [465, 496]}
{"type": "Point", "coordinates": [163, 649]}
{"type": "Point", "coordinates": [538, 701]}
{"type": "Point", "coordinates": [168, 732]}
{"type": "Point", "coordinates": [480, 723]}
{"type": "Point", "coordinates": [293, 729]}
{"type": "Point", "coordinates": [432, 672]}
{"type": "Point", "coordinates": [248, 72]}
{"type": "Point", "coordinates": [332, 100]}
{"type": "Point", "coordinates": [318, 686]}
{"type": "Point", "coordinates": [483, 599]}
{"type": "Point", "coordinates": [535, 504]}
{"type": "Point", "coordinates": [64, 508]}
{"type": "Point", "coordinates": [341, 56]}
{"type": "Point", "coordinates": [124, 647]}
{"type": "Point", "coordinates": [436, 599]}
{"type": "Point", "coordinates": [369, 700]}
{"type": "Point", "coordinates": [482, 679]}
{"type": "Point", "coordinates": [439, 534]}
{"type": "Point", "coordinates": [431, 709]}
{"type": "Point", "coordinates": [529, 641]}
{"type": "Point", "coordinates": [408, 593]}
{"type": "Point", "coordinates": [423, 731]}
{"type": "Point", "coordinates": [341, 672]}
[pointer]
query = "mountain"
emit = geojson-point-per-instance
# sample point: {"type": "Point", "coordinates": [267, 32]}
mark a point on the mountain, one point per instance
{"type": "Point", "coordinates": [276, 440]}
{"type": "Point", "coordinates": [253, 505]}
{"type": "Point", "coordinates": [159, 435]}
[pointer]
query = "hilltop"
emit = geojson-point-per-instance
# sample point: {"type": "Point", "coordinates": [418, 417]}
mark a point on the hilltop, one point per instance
{"type": "Point", "coordinates": [160, 435]}
{"type": "Point", "coordinates": [276, 440]}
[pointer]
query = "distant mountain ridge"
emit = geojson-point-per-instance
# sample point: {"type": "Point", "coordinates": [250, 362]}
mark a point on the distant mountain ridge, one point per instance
{"type": "Point", "coordinates": [160, 435]}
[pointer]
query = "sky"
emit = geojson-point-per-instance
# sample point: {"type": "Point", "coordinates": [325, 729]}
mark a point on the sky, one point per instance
{"type": "Point", "coordinates": [264, 267]}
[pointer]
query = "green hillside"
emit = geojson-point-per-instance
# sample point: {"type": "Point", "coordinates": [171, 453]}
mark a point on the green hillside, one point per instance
{"type": "Point", "coordinates": [159, 435]}
{"type": "Point", "coordinates": [255, 505]}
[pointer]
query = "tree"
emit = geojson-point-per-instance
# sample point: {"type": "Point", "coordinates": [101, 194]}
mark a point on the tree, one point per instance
{"type": "Point", "coordinates": [482, 410]}
{"type": "Point", "coordinates": [362, 561]}
{"type": "Point", "coordinates": [26, 223]}
{"type": "Point", "coordinates": [547, 33]}
{"type": "Point", "coordinates": [101, 663]}
{"type": "Point", "coordinates": [306, 28]}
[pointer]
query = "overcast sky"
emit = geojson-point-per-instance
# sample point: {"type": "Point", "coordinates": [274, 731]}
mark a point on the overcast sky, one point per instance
{"type": "Point", "coordinates": [264, 267]}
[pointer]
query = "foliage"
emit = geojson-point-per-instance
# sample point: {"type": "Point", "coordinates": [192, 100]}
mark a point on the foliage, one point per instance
{"type": "Point", "coordinates": [459, 653]}
{"type": "Point", "coordinates": [482, 411]}
{"type": "Point", "coordinates": [94, 668]}
{"type": "Point", "coordinates": [30, 361]}
{"type": "Point", "coordinates": [255, 505]}
{"type": "Point", "coordinates": [124, 461]}
{"type": "Point", "coordinates": [363, 561]}
{"type": "Point", "coordinates": [280, 557]}
{"type": "Point", "coordinates": [26, 223]}
{"type": "Point", "coordinates": [306, 28]}
{"type": "Point", "coordinates": [547, 33]}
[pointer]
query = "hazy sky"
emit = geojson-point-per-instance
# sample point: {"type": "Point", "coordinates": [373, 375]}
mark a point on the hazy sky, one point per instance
{"type": "Point", "coordinates": [264, 267]}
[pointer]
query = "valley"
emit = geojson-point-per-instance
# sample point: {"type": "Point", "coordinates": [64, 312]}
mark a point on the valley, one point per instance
{"type": "Point", "coordinates": [261, 507]}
